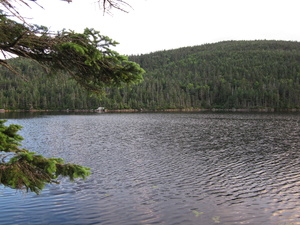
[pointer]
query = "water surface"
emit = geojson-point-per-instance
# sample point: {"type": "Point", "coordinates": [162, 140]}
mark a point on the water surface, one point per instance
{"type": "Point", "coordinates": [164, 168]}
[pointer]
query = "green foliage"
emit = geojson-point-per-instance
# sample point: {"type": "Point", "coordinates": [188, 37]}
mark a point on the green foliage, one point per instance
{"type": "Point", "coordinates": [27, 170]}
{"type": "Point", "coordinates": [9, 139]}
{"type": "Point", "coordinates": [234, 74]}
{"type": "Point", "coordinates": [89, 60]}
{"type": "Point", "coordinates": [36, 90]}
{"type": "Point", "coordinates": [86, 57]}
{"type": "Point", "coordinates": [231, 74]}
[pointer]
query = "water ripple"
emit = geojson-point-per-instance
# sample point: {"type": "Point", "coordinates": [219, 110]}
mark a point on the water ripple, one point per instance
{"type": "Point", "coordinates": [181, 168]}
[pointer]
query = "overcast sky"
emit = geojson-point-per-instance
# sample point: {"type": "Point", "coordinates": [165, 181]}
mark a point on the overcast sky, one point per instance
{"type": "Point", "coordinates": [153, 25]}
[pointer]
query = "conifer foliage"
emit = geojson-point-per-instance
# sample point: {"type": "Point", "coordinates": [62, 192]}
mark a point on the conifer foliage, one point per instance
{"type": "Point", "coordinates": [22, 169]}
{"type": "Point", "coordinates": [86, 57]}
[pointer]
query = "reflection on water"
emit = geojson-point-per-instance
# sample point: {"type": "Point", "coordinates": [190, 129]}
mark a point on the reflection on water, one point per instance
{"type": "Point", "coordinates": [165, 168]}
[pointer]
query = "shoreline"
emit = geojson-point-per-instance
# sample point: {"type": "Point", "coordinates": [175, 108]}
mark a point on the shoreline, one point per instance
{"type": "Point", "coordinates": [154, 110]}
{"type": "Point", "coordinates": [204, 110]}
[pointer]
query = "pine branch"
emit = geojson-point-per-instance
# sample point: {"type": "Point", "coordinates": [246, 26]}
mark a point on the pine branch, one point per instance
{"type": "Point", "coordinates": [27, 170]}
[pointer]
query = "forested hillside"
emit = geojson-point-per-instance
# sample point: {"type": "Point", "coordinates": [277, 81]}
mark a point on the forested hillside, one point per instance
{"type": "Point", "coordinates": [232, 74]}
{"type": "Point", "coordinates": [34, 89]}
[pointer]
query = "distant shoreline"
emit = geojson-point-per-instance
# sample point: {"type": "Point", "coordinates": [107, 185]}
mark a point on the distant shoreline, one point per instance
{"type": "Point", "coordinates": [154, 110]}
{"type": "Point", "coordinates": [204, 110]}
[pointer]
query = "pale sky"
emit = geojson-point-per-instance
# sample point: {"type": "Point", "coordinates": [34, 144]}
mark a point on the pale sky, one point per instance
{"type": "Point", "coordinates": [153, 25]}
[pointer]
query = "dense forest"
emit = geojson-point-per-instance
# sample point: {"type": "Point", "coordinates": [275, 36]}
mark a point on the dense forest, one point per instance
{"type": "Point", "coordinates": [32, 88]}
{"type": "Point", "coordinates": [226, 75]}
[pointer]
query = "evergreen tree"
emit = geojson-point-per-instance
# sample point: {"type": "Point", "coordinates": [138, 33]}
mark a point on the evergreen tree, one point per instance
{"type": "Point", "coordinates": [22, 169]}
{"type": "Point", "coordinates": [86, 57]}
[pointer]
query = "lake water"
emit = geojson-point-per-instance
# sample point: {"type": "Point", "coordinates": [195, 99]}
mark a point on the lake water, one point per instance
{"type": "Point", "coordinates": [164, 168]}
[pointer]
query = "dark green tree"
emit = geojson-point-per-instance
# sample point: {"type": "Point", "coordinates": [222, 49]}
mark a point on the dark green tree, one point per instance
{"type": "Point", "coordinates": [22, 169]}
{"type": "Point", "coordinates": [86, 57]}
